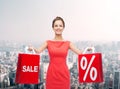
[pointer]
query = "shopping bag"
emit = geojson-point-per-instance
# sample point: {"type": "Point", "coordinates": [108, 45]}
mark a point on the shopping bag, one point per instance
{"type": "Point", "coordinates": [27, 69]}
{"type": "Point", "coordinates": [90, 68]}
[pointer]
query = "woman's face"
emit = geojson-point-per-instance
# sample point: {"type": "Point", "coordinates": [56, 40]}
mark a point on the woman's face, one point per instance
{"type": "Point", "coordinates": [58, 27]}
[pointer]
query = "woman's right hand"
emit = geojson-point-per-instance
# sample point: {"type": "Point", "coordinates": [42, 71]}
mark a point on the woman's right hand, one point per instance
{"type": "Point", "coordinates": [30, 48]}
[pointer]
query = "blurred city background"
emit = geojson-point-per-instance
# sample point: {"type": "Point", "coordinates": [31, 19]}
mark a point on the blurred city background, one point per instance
{"type": "Point", "coordinates": [110, 60]}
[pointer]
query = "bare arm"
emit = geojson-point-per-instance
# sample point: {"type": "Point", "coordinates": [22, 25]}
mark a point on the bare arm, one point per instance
{"type": "Point", "coordinates": [74, 49]}
{"type": "Point", "coordinates": [40, 49]}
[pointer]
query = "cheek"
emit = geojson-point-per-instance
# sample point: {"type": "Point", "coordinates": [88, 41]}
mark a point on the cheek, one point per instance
{"type": "Point", "coordinates": [58, 29]}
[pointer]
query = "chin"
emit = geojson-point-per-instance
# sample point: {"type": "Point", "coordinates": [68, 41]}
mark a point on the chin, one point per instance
{"type": "Point", "coordinates": [58, 33]}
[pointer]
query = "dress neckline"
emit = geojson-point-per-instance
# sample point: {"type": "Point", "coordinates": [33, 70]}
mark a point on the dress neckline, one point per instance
{"type": "Point", "coordinates": [58, 40]}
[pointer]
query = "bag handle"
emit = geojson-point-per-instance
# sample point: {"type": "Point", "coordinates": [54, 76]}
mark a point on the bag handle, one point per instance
{"type": "Point", "coordinates": [86, 50]}
{"type": "Point", "coordinates": [29, 52]}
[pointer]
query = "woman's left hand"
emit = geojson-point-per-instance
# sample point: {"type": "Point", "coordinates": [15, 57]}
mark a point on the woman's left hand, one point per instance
{"type": "Point", "coordinates": [89, 49]}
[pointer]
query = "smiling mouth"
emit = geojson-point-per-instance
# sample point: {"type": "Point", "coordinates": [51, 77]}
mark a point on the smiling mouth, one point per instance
{"type": "Point", "coordinates": [58, 30]}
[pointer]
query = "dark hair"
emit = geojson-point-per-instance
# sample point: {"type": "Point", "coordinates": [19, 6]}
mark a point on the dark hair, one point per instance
{"type": "Point", "coordinates": [58, 18]}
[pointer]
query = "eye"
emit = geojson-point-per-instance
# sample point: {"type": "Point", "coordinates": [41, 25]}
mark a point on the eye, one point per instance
{"type": "Point", "coordinates": [61, 25]}
{"type": "Point", "coordinates": [55, 25]}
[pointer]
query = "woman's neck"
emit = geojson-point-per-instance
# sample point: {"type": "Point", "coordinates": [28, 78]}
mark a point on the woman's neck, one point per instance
{"type": "Point", "coordinates": [58, 37]}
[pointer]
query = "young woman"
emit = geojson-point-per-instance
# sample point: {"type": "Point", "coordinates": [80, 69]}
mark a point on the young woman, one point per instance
{"type": "Point", "coordinates": [58, 76]}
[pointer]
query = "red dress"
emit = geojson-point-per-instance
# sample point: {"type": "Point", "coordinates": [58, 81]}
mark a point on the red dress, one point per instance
{"type": "Point", "coordinates": [58, 76]}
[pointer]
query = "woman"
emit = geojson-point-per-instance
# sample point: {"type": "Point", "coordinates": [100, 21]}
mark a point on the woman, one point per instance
{"type": "Point", "coordinates": [58, 76]}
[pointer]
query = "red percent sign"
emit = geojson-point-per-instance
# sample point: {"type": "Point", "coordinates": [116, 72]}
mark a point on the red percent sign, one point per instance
{"type": "Point", "coordinates": [90, 68]}
{"type": "Point", "coordinates": [84, 64]}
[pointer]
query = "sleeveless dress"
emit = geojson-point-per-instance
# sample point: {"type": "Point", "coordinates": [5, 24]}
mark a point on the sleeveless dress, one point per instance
{"type": "Point", "coordinates": [58, 76]}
